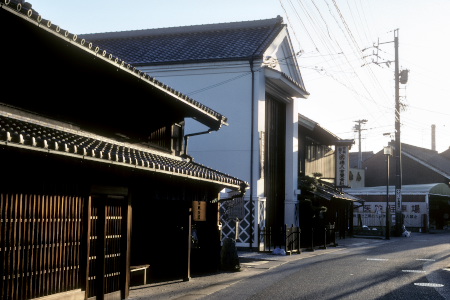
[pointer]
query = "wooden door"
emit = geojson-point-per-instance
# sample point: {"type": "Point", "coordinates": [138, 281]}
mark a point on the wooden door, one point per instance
{"type": "Point", "coordinates": [107, 248]}
{"type": "Point", "coordinates": [274, 172]}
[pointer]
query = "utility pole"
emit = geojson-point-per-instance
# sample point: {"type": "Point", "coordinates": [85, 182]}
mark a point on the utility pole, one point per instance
{"type": "Point", "coordinates": [398, 145]}
{"type": "Point", "coordinates": [359, 129]}
{"type": "Point", "coordinates": [400, 77]}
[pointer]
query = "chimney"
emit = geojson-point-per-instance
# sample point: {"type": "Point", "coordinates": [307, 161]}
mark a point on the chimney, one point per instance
{"type": "Point", "coordinates": [433, 137]}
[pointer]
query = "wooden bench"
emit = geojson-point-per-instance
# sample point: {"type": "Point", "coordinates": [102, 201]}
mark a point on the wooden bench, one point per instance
{"type": "Point", "coordinates": [140, 268]}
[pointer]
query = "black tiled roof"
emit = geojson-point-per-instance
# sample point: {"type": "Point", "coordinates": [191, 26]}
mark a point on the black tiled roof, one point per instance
{"type": "Point", "coordinates": [215, 42]}
{"type": "Point", "coordinates": [354, 157]}
{"type": "Point", "coordinates": [428, 157]}
{"type": "Point", "coordinates": [35, 135]}
{"type": "Point", "coordinates": [329, 191]}
{"type": "Point", "coordinates": [24, 10]}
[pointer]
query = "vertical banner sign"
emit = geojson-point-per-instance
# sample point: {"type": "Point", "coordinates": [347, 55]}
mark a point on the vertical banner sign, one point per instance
{"type": "Point", "coordinates": [199, 210]}
{"type": "Point", "coordinates": [398, 200]}
{"type": "Point", "coordinates": [341, 166]}
{"type": "Point", "coordinates": [262, 137]}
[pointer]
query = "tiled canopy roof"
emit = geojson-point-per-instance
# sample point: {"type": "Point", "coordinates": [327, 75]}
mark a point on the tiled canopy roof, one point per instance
{"type": "Point", "coordinates": [214, 42]}
{"type": "Point", "coordinates": [35, 135]}
{"type": "Point", "coordinates": [203, 113]}
{"type": "Point", "coordinates": [321, 134]}
{"type": "Point", "coordinates": [329, 192]}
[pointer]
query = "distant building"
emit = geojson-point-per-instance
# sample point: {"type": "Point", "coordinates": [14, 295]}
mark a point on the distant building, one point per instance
{"type": "Point", "coordinates": [357, 176]}
{"type": "Point", "coordinates": [424, 206]}
{"type": "Point", "coordinates": [355, 157]}
{"type": "Point", "coordinates": [419, 166]}
{"type": "Point", "coordinates": [425, 191]}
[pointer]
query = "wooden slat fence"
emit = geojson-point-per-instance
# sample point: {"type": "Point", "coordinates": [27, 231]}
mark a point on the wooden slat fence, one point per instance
{"type": "Point", "coordinates": [93, 239]}
{"type": "Point", "coordinates": [40, 244]}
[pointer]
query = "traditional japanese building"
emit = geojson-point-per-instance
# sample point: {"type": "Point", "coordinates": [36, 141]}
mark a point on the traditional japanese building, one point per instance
{"type": "Point", "coordinates": [324, 169]}
{"type": "Point", "coordinates": [93, 178]}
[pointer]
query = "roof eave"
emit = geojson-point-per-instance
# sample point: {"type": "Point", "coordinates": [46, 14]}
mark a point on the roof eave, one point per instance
{"type": "Point", "coordinates": [288, 85]}
{"type": "Point", "coordinates": [198, 111]}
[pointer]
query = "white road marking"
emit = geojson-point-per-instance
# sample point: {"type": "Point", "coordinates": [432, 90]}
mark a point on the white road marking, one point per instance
{"type": "Point", "coordinates": [359, 244]}
{"type": "Point", "coordinates": [414, 271]}
{"type": "Point", "coordinates": [378, 259]}
{"type": "Point", "coordinates": [426, 259]}
{"type": "Point", "coordinates": [429, 284]}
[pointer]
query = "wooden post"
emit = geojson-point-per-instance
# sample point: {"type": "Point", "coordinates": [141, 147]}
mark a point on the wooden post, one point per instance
{"type": "Point", "coordinates": [126, 245]}
{"type": "Point", "coordinates": [187, 275]}
{"type": "Point", "coordinates": [86, 252]}
{"type": "Point", "coordinates": [100, 251]}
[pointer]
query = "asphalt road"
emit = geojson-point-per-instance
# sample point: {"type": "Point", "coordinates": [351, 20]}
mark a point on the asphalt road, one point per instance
{"type": "Point", "coordinates": [401, 268]}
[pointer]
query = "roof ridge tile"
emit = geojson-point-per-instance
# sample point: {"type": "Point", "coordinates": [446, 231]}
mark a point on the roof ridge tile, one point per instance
{"type": "Point", "coordinates": [185, 29]}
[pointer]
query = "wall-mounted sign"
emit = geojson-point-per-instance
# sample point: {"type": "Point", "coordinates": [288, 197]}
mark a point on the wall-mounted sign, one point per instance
{"type": "Point", "coordinates": [199, 210]}
{"type": "Point", "coordinates": [236, 209]}
{"type": "Point", "coordinates": [342, 166]}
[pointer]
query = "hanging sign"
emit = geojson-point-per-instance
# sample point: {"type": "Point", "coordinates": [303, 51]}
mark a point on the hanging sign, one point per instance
{"type": "Point", "coordinates": [342, 162]}
{"type": "Point", "coordinates": [199, 210]}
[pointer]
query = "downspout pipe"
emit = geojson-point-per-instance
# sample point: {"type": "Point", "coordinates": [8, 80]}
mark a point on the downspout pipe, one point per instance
{"type": "Point", "coordinates": [242, 189]}
{"type": "Point", "coordinates": [186, 138]}
{"type": "Point", "coordinates": [251, 150]}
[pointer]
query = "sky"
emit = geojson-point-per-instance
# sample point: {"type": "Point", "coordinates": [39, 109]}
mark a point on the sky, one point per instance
{"type": "Point", "coordinates": [343, 48]}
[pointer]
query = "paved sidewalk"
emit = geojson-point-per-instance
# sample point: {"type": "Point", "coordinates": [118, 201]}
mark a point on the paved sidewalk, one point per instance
{"type": "Point", "coordinates": [252, 263]}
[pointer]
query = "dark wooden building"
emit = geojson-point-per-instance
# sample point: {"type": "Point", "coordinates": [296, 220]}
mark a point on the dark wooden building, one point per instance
{"type": "Point", "coordinates": [93, 176]}
{"type": "Point", "coordinates": [419, 166]}
{"type": "Point", "coordinates": [323, 165]}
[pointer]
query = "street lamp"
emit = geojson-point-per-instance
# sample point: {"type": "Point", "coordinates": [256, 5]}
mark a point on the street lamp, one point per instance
{"type": "Point", "coordinates": [388, 152]}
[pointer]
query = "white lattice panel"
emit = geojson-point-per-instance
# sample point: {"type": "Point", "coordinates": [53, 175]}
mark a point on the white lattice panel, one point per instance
{"type": "Point", "coordinates": [227, 217]}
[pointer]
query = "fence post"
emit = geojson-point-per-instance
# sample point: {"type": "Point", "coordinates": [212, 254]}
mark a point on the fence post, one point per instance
{"type": "Point", "coordinates": [259, 237]}
{"type": "Point", "coordinates": [333, 235]}
{"type": "Point", "coordinates": [324, 237]}
{"type": "Point", "coordinates": [312, 240]}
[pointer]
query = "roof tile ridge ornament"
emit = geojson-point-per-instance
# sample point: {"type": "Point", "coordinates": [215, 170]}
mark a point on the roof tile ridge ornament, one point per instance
{"type": "Point", "coordinates": [185, 29]}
